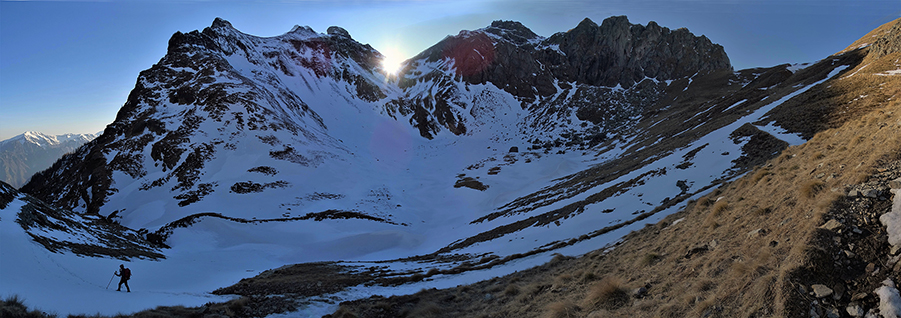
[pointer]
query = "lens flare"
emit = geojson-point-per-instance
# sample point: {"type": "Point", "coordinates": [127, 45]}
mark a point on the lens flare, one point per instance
{"type": "Point", "coordinates": [392, 59]}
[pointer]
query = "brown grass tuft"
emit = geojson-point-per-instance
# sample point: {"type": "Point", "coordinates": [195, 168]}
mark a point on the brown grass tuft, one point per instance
{"type": "Point", "coordinates": [760, 174]}
{"type": "Point", "coordinates": [649, 259]}
{"type": "Point", "coordinates": [562, 309]}
{"type": "Point", "coordinates": [426, 309]}
{"type": "Point", "coordinates": [810, 188]}
{"type": "Point", "coordinates": [712, 219]}
{"type": "Point", "coordinates": [609, 293]}
{"type": "Point", "coordinates": [719, 207]}
{"type": "Point", "coordinates": [511, 290]}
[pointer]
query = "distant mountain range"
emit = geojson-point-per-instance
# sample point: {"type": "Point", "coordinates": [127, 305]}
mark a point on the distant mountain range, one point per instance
{"type": "Point", "coordinates": [26, 154]}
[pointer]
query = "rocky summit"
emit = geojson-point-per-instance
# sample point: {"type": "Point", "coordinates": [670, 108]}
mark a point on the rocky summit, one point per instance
{"type": "Point", "coordinates": [610, 170]}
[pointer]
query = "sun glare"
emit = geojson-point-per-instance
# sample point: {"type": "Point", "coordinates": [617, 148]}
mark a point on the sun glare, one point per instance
{"type": "Point", "coordinates": [392, 61]}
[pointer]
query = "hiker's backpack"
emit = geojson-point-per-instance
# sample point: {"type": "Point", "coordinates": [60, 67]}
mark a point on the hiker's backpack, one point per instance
{"type": "Point", "coordinates": [126, 273]}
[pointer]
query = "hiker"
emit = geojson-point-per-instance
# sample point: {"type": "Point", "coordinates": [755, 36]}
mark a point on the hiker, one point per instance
{"type": "Point", "coordinates": [125, 274]}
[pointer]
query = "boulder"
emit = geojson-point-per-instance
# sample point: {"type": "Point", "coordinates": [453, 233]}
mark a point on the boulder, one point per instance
{"type": "Point", "coordinates": [895, 184]}
{"type": "Point", "coordinates": [639, 292]}
{"type": "Point", "coordinates": [757, 232]}
{"type": "Point", "coordinates": [832, 225]}
{"type": "Point", "coordinates": [820, 290]}
{"type": "Point", "coordinates": [871, 193]}
{"type": "Point", "coordinates": [854, 310]}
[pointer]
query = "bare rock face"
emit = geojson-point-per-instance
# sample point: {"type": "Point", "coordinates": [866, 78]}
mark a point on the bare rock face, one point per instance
{"type": "Point", "coordinates": [617, 52]}
{"type": "Point", "coordinates": [532, 68]}
{"type": "Point", "coordinates": [888, 44]}
{"type": "Point", "coordinates": [339, 31]}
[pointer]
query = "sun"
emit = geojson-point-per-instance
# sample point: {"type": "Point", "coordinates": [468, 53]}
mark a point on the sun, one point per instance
{"type": "Point", "coordinates": [391, 61]}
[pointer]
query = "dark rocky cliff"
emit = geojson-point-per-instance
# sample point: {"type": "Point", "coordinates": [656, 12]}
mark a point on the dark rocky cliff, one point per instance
{"type": "Point", "coordinates": [589, 58]}
{"type": "Point", "coordinates": [514, 58]}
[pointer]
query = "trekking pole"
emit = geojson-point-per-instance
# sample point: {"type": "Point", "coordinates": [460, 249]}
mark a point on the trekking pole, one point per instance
{"type": "Point", "coordinates": [110, 280]}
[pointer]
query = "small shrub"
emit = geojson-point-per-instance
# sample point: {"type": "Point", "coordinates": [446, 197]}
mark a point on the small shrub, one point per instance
{"type": "Point", "coordinates": [562, 309]}
{"type": "Point", "coordinates": [609, 293]}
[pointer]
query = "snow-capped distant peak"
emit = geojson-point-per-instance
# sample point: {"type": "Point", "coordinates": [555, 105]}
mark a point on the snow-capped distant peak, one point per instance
{"type": "Point", "coordinates": [48, 141]}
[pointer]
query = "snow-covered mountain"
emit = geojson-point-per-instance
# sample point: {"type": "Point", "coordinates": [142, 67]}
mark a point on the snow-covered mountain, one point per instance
{"type": "Point", "coordinates": [487, 153]}
{"type": "Point", "coordinates": [26, 154]}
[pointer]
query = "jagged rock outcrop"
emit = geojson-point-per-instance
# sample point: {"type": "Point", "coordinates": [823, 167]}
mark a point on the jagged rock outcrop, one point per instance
{"type": "Point", "coordinates": [615, 53]}
{"type": "Point", "coordinates": [593, 58]}
{"type": "Point", "coordinates": [888, 43]}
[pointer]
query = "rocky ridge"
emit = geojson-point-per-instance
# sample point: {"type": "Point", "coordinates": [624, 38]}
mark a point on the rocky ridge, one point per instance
{"type": "Point", "coordinates": [595, 59]}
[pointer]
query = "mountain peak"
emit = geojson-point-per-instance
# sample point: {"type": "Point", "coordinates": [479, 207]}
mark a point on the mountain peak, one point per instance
{"type": "Point", "coordinates": [514, 26]}
{"type": "Point", "coordinates": [338, 31]}
{"type": "Point", "coordinates": [586, 24]}
{"type": "Point", "coordinates": [220, 23]}
{"type": "Point", "coordinates": [511, 31]}
{"type": "Point", "coordinates": [620, 21]}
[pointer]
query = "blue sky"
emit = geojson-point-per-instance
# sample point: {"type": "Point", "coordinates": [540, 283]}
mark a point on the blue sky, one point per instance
{"type": "Point", "coordinates": [68, 66]}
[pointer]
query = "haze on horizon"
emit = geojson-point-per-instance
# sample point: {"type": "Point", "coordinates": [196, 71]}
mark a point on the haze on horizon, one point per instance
{"type": "Point", "coordinates": [67, 67]}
